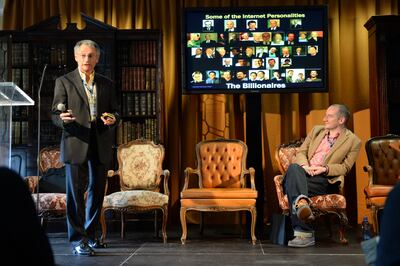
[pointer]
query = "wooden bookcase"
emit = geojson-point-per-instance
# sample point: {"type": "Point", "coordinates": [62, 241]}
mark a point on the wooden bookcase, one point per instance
{"type": "Point", "coordinates": [131, 58]}
{"type": "Point", "coordinates": [139, 79]}
{"type": "Point", "coordinates": [384, 69]}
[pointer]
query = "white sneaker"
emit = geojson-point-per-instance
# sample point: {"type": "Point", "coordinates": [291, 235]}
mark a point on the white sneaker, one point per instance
{"type": "Point", "coordinates": [301, 242]}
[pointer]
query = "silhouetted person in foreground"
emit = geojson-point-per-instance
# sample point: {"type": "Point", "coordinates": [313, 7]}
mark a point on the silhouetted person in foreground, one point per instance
{"type": "Point", "coordinates": [25, 242]}
{"type": "Point", "coordinates": [388, 246]}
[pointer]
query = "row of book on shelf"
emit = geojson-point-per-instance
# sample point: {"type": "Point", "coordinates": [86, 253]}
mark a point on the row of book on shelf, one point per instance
{"type": "Point", "coordinates": [126, 131]}
{"type": "Point", "coordinates": [49, 133]}
{"type": "Point", "coordinates": [134, 104]}
{"type": "Point", "coordinates": [138, 78]}
{"type": "Point", "coordinates": [20, 53]}
{"type": "Point", "coordinates": [54, 54]}
{"type": "Point", "coordinates": [130, 130]}
{"type": "Point", "coordinates": [138, 52]}
{"type": "Point", "coordinates": [20, 76]}
{"type": "Point", "coordinates": [20, 133]}
{"type": "Point", "coordinates": [20, 112]}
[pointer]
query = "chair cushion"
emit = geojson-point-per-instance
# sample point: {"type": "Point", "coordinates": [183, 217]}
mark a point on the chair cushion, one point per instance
{"type": "Point", "coordinates": [140, 166]}
{"type": "Point", "coordinates": [286, 155]}
{"type": "Point", "coordinates": [32, 182]}
{"type": "Point", "coordinates": [50, 158]}
{"type": "Point", "coordinates": [376, 201]}
{"type": "Point", "coordinates": [51, 201]}
{"type": "Point", "coordinates": [139, 198]}
{"type": "Point", "coordinates": [323, 202]}
{"type": "Point", "coordinates": [329, 201]}
{"type": "Point", "coordinates": [282, 197]}
{"type": "Point", "coordinates": [53, 181]}
{"type": "Point", "coordinates": [377, 191]}
{"type": "Point", "coordinates": [221, 163]}
{"type": "Point", "coordinates": [385, 160]}
{"type": "Point", "coordinates": [219, 193]}
{"type": "Point", "coordinates": [218, 203]}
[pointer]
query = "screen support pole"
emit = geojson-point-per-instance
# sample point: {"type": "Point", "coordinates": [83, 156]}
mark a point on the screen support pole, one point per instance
{"type": "Point", "coordinates": [254, 157]}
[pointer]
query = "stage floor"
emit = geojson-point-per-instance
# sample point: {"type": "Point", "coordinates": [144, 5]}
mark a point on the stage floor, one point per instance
{"type": "Point", "coordinates": [217, 246]}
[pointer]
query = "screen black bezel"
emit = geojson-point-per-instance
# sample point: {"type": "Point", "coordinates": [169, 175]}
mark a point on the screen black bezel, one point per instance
{"type": "Point", "coordinates": [185, 83]}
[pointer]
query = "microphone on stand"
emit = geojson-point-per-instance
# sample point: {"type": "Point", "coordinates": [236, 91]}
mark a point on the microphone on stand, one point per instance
{"type": "Point", "coordinates": [38, 136]}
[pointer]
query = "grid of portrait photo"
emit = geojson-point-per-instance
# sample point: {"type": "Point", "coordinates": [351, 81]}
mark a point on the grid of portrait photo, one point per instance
{"type": "Point", "coordinates": [284, 50]}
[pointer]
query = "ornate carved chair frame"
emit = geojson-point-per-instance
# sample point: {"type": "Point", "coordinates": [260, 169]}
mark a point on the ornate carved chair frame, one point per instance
{"type": "Point", "coordinates": [51, 205]}
{"type": "Point", "coordinates": [321, 205]}
{"type": "Point", "coordinates": [140, 174]}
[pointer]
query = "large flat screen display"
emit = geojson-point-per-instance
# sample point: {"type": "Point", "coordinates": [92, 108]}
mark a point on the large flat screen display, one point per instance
{"type": "Point", "coordinates": [255, 50]}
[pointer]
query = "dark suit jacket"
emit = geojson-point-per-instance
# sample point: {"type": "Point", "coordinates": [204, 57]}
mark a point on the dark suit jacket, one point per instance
{"type": "Point", "coordinates": [212, 42]}
{"type": "Point", "coordinates": [208, 29]}
{"type": "Point", "coordinates": [75, 139]}
{"type": "Point", "coordinates": [342, 155]}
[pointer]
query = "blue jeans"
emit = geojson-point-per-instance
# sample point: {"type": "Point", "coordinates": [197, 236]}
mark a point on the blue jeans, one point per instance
{"type": "Point", "coordinates": [297, 185]}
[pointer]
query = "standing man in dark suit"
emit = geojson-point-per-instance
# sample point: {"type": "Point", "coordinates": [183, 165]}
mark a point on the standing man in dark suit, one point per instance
{"type": "Point", "coordinates": [85, 108]}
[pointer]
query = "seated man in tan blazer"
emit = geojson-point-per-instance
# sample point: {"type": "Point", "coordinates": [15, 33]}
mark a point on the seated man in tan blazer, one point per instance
{"type": "Point", "coordinates": [328, 150]}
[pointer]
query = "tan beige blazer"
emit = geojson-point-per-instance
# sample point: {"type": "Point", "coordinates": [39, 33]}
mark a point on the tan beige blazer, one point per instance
{"type": "Point", "coordinates": [342, 155]}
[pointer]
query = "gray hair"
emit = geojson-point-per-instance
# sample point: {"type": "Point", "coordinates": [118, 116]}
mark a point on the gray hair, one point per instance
{"type": "Point", "coordinates": [343, 111]}
{"type": "Point", "coordinates": [89, 43]}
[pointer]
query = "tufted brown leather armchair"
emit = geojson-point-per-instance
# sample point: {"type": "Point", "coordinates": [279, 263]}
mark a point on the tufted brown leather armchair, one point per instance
{"type": "Point", "coordinates": [50, 204]}
{"type": "Point", "coordinates": [322, 204]}
{"type": "Point", "coordinates": [383, 171]}
{"type": "Point", "coordinates": [221, 171]}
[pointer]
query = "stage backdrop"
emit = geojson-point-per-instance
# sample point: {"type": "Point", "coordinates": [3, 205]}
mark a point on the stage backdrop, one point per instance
{"type": "Point", "coordinates": [192, 118]}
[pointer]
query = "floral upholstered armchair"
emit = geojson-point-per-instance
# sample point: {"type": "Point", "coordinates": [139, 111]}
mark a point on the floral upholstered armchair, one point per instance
{"type": "Point", "coordinates": [321, 205]}
{"type": "Point", "coordinates": [221, 170]}
{"type": "Point", "coordinates": [141, 188]}
{"type": "Point", "coordinates": [50, 204]}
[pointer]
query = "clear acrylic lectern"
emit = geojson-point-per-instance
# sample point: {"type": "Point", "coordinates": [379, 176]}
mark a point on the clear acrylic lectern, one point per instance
{"type": "Point", "coordinates": [10, 95]}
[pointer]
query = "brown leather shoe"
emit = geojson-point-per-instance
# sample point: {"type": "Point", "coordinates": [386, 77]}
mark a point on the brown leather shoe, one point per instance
{"type": "Point", "coordinates": [304, 212]}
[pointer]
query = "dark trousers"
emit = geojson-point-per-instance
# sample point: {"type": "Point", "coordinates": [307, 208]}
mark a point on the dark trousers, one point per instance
{"type": "Point", "coordinates": [296, 183]}
{"type": "Point", "coordinates": [90, 176]}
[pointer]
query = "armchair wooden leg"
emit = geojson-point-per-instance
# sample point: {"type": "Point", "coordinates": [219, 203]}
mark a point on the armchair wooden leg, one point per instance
{"type": "Point", "coordinates": [201, 223]}
{"type": "Point", "coordinates": [342, 229]}
{"type": "Point", "coordinates": [253, 212]}
{"type": "Point", "coordinates": [103, 225]}
{"type": "Point", "coordinates": [155, 224]}
{"type": "Point", "coordinates": [375, 210]}
{"type": "Point", "coordinates": [122, 225]}
{"type": "Point", "coordinates": [328, 225]}
{"type": "Point", "coordinates": [164, 223]}
{"type": "Point", "coordinates": [342, 235]}
{"type": "Point", "coordinates": [242, 217]}
{"type": "Point", "coordinates": [183, 224]}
